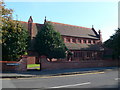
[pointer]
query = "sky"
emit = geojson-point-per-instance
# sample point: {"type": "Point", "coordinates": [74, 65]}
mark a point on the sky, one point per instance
{"type": "Point", "coordinates": [102, 15]}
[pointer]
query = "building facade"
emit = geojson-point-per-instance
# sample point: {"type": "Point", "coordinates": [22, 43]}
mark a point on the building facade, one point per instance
{"type": "Point", "coordinates": [84, 43]}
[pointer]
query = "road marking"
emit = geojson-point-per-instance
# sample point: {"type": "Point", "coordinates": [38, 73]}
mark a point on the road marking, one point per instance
{"type": "Point", "coordinates": [58, 76]}
{"type": "Point", "coordinates": [71, 85]}
{"type": "Point", "coordinates": [117, 78]}
{"type": "Point", "coordinates": [72, 75]}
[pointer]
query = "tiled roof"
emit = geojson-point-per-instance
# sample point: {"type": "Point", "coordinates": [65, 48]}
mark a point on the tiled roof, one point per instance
{"type": "Point", "coordinates": [36, 27]}
{"type": "Point", "coordinates": [76, 31]}
{"type": "Point", "coordinates": [24, 24]}
{"type": "Point", "coordinates": [66, 30]}
{"type": "Point", "coordinates": [69, 30]}
{"type": "Point", "coordinates": [74, 46]}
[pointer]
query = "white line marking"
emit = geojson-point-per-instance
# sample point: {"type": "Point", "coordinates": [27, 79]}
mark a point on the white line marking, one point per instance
{"type": "Point", "coordinates": [117, 78]}
{"type": "Point", "coordinates": [71, 85]}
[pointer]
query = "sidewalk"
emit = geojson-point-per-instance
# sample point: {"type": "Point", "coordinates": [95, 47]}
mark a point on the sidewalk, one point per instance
{"type": "Point", "coordinates": [36, 73]}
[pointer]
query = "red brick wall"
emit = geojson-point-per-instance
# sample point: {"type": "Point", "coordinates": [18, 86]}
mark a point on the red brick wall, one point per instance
{"type": "Point", "coordinates": [5, 67]}
{"type": "Point", "coordinates": [77, 64]}
{"type": "Point", "coordinates": [22, 65]}
{"type": "Point", "coordinates": [76, 39]}
{"type": "Point", "coordinates": [31, 60]}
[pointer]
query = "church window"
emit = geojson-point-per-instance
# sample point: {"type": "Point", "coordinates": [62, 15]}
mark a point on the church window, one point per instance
{"type": "Point", "coordinates": [89, 41]}
{"type": "Point", "coordinates": [89, 54]}
{"type": "Point", "coordinates": [84, 41]}
{"type": "Point", "coordinates": [74, 40]}
{"type": "Point", "coordinates": [68, 39]}
{"type": "Point", "coordinates": [79, 40]}
{"type": "Point", "coordinates": [94, 42]}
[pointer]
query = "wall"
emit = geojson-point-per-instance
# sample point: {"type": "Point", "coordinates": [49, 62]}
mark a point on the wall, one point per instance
{"type": "Point", "coordinates": [22, 64]}
{"type": "Point", "coordinates": [6, 67]}
{"type": "Point", "coordinates": [31, 60]}
{"type": "Point", "coordinates": [45, 65]}
{"type": "Point", "coordinates": [79, 38]}
{"type": "Point", "coordinates": [17, 67]}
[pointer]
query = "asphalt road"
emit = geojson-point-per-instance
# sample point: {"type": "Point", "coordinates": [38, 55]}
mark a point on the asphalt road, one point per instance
{"type": "Point", "coordinates": [108, 79]}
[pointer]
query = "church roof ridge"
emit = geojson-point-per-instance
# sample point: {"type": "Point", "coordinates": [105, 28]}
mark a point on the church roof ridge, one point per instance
{"type": "Point", "coordinates": [69, 25]}
{"type": "Point", "coordinates": [27, 22]}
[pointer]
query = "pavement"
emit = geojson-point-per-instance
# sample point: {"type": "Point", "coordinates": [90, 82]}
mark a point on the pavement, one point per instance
{"type": "Point", "coordinates": [37, 73]}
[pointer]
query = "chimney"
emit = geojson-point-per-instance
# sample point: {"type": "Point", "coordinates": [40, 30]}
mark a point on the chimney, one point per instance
{"type": "Point", "coordinates": [100, 35]}
{"type": "Point", "coordinates": [30, 21]}
{"type": "Point", "coordinates": [45, 20]}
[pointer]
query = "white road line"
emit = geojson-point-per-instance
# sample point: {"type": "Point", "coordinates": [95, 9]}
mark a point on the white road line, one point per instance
{"type": "Point", "coordinates": [117, 78]}
{"type": "Point", "coordinates": [71, 85]}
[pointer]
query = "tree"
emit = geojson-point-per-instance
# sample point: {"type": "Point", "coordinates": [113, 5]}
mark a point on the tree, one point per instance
{"type": "Point", "coordinates": [14, 37]}
{"type": "Point", "coordinates": [48, 42]}
{"type": "Point", "coordinates": [114, 43]}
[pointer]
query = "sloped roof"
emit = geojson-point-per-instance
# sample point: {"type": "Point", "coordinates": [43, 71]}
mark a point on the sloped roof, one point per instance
{"type": "Point", "coordinates": [66, 30]}
{"type": "Point", "coordinates": [76, 31]}
{"type": "Point", "coordinates": [24, 24]}
{"type": "Point", "coordinates": [69, 30]}
{"type": "Point", "coordinates": [75, 46]}
{"type": "Point", "coordinates": [35, 26]}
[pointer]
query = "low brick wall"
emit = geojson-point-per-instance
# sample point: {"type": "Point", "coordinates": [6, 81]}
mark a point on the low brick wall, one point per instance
{"type": "Point", "coordinates": [45, 65]}
{"type": "Point", "coordinates": [14, 66]}
{"type": "Point", "coordinates": [5, 66]}
{"type": "Point", "coordinates": [22, 64]}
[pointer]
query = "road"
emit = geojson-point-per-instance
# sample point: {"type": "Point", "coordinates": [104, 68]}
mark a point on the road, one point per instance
{"type": "Point", "coordinates": [108, 79]}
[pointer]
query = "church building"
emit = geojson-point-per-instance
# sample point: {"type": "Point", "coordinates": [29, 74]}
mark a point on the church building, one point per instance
{"type": "Point", "coordinates": [85, 43]}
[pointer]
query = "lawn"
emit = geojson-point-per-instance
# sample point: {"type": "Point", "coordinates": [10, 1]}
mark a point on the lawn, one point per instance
{"type": "Point", "coordinates": [33, 65]}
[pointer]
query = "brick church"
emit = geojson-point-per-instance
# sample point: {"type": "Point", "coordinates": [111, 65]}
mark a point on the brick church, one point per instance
{"type": "Point", "coordinates": [85, 43]}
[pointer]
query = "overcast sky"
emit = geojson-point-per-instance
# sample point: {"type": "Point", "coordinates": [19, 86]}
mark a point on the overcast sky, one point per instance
{"type": "Point", "coordinates": [103, 15]}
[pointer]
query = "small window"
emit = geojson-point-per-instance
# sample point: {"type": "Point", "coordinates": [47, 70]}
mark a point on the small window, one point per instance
{"type": "Point", "coordinates": [80, 54]}
{"type": "Point", "coordinates": [79, 40]}
{"type": "Point", "coordinates": [93, 41]}
{"type": "Point", "coordinates": [68, 39]}
{"type": "Point", "coordinates": [89, 54]}
{"type": "Point", "coordinates": [75, 54]}
{"type": "Point", "coordinates": [84, 41]}
{"type": "Point", "coordinates": [74, 40]}
{"type": "Point", "coordinates": [89, 41]}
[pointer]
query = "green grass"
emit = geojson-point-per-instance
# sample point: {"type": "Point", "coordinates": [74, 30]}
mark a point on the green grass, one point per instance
{"type": "Point", "coordinates": [33, 65]}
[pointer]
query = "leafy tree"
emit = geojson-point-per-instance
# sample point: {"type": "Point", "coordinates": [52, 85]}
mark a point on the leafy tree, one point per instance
{"type": "Point", "coordinates": [48, 42]}
{"type": "Point", "coordinates": [14, 37]}
{"type": "Point", "coordinates": [114, 43]}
